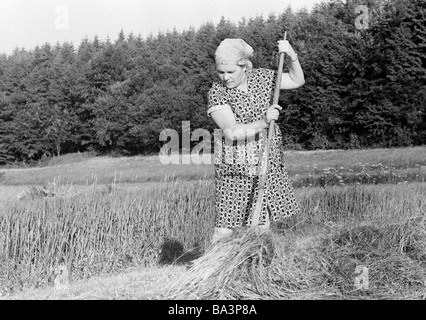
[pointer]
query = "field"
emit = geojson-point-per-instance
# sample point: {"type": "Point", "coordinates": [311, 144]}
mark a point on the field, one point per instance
{"type": "Point", "coordinates": [124, 228]}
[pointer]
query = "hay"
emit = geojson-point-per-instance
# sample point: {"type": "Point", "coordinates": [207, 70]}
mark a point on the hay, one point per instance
{"type": "Point", "coordinates": [322, 265]}
{"type": "Point", "coordinates": [218, 273]}
{"type": "Point", "coordinates": [251, 265]}
{"type": "Point", "coordinates": [393, 255]}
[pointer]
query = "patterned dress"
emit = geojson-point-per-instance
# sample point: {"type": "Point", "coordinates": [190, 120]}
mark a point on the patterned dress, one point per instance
{"type": "Point", "coordinates": [237, 163]}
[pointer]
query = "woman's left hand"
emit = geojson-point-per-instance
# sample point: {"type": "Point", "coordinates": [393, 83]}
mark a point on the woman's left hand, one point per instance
{"type": "Point", "coordinates": [272, 113]}
{"type": "Point", "coordinates": [285, 46]}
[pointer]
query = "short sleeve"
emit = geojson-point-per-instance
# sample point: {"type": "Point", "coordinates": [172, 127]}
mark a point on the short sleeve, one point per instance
{"type": "Point", "coordinates": [217, 98]}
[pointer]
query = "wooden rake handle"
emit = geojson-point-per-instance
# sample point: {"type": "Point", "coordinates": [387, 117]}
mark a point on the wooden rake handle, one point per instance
{"type": "Point", "coordinates": [265, 160]}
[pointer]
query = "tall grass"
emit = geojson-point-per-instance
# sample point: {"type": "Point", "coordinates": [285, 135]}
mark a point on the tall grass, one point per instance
{"type": "Point", "coordinates": [105, 230]}
{"type": "Point", "coordinates": [362, 203]}
{"type": "Point", "coordinates": [381, 231]}
{"type": "Point", "coordinates": [100, 231]}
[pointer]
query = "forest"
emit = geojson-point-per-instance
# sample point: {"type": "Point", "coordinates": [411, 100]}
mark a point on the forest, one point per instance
{"type": "Point", "coordinates": [365, 84]}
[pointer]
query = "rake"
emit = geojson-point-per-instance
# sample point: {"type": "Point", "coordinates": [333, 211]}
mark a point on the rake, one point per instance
{"type": "Point", "coordinates": [264, 168]}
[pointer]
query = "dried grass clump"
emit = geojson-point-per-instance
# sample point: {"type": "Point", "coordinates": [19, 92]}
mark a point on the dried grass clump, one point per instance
{"type": "Point", "coordinates": [252, 265]}
{"type": "Point", "coordinates": [221, 271]}
{"type": "Point", "coordinates": [51, 190]}
{"type": "Point", "coordinates": [394, 255]}
{"type": "Point", "coordinates": [317, 266]}
{"type": "Point", "coordinates": [33, 192]}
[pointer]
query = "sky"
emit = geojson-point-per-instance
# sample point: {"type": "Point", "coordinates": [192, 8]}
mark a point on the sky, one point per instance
{"type": "Point", "coordinates": [28, 23]}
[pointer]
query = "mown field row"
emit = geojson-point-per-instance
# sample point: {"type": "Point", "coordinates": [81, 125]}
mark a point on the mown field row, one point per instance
{"type": "Point", "coordinates": [305, 168]}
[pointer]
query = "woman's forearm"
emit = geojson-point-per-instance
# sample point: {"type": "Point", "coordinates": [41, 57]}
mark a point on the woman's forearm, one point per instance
{"type": "Point", "coordinates": [295, 71]}
{"type": "Point", "coordinates": [245, 131]}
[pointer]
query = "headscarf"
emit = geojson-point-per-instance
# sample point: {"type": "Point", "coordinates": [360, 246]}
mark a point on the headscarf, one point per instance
{"type": "Point", "coordinates": [233, 51]}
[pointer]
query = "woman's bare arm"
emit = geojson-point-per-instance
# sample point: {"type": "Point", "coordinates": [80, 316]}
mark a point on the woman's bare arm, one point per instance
{"type": "Point", "coordinates": [294, 78]}
{"type": "Point", "coordinates": [225, 120]}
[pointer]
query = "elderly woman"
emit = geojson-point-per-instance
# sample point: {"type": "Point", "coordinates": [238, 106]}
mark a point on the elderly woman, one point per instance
{"type": "Point", "coordinates": [240, 105]}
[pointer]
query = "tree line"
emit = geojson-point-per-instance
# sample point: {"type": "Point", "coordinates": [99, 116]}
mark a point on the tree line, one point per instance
{"type": "Point", "coordinates": [365, 86]}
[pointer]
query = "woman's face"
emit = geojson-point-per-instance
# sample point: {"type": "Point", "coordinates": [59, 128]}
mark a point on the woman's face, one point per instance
{"type": "Point", "coordinates": [231, 75]}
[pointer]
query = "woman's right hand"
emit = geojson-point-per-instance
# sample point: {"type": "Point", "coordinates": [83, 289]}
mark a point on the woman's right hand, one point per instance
{"type": "Point", "coordinates": [272, 113]}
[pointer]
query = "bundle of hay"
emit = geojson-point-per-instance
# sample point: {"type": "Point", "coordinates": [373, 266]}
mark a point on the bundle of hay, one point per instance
{"type": "Point", "coordinates": [251, 265]}
{"type": "Point", "coordinates": [391, 256]}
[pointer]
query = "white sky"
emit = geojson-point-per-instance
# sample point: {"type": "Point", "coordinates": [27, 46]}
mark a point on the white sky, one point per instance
{"type": "Point", "coordinates": [27, 23]}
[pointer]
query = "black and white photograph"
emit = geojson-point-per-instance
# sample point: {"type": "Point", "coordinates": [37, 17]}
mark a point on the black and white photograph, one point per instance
{"type": "Point", "coordinates": [217, 156]}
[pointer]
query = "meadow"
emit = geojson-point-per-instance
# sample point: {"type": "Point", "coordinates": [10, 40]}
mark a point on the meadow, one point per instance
{"type": "Point", "coordinates": [103, 215]}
